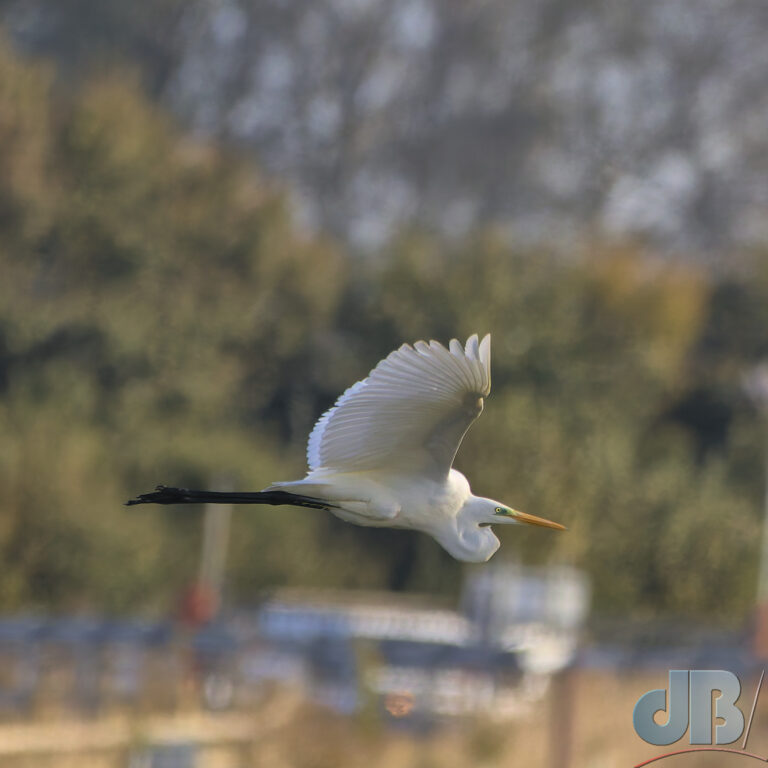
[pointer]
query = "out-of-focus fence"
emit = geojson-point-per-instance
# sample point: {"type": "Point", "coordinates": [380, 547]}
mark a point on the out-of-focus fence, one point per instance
{"type": "Point", "coordinates": [81, 664]}
{"type": "Point", "coordinates": [153, 694]}
{"type": "Point", "coordinates": [94, 665]}
{"type": "Point", "coordinates": [515, 628]}
{"type": "Point", "coordinates": [104, 694]}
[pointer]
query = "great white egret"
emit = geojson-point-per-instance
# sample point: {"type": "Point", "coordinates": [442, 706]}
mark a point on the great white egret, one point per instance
{"type": "Point", "coordinates": [382, 455]}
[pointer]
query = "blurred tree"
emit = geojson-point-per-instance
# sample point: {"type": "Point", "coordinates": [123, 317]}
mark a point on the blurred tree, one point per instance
{"type": "Point", "coordinates": [162, 320]}
{"type": "Point", "coordinates": [80, 33]}
{"type": "Point", "coordinates": [544, 116]}
{"type": "Point", "coordinates": [156, 304]}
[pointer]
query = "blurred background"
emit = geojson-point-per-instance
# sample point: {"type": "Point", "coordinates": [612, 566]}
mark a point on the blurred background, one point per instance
{"type": "Point", "coordinates": [215, 215]}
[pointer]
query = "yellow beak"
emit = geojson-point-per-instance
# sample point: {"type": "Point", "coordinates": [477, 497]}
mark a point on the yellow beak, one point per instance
{"type": "Point", "coordinates": [524, 517]}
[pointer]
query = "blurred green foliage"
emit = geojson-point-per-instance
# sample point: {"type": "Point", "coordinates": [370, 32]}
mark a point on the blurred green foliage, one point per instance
{"type": "Point", "coordinates": [162, 320]}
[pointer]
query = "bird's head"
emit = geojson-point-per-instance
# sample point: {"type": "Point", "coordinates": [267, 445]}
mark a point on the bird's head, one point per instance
{"type": "Point", "coordinates": [476, 542]}
{"type": "Point", "coordinates": [501, 514]}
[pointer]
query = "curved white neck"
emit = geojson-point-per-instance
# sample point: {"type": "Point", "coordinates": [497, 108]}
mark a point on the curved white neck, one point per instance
{"type": "Point", "coordinates": [466, 539]}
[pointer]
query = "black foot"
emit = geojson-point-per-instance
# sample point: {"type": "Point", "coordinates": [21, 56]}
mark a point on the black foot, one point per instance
{"type": "Point", "coordinates": [161, 495]}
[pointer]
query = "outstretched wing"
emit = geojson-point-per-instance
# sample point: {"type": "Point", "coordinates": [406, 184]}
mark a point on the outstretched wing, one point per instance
{"type": "Point", "coordinates": [411, 413]}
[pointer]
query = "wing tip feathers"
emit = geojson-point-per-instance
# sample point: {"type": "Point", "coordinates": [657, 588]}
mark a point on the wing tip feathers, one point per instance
{"type": "Point", "coordinates": [475, 350]}
{"type": "Point", "coordinates": [485, 356]}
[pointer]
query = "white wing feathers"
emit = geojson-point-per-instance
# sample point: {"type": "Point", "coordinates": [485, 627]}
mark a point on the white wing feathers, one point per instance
{"type": "Point", "coordinates": [410, 413]}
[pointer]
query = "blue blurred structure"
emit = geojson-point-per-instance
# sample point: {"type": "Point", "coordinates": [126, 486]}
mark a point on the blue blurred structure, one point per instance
{"type": "Point", "coordinates": [99, 653]}
{"type": "Point", "coordinates": [411, 659]}
{"type": "Point", "coordinates": [20, 643]}
{"type": "Point", "coordinates": [165, 756]}
{"type": "Point", "coordinates": [516, 627]}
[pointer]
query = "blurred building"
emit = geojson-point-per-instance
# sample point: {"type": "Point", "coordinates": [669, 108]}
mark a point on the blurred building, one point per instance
{"type": "Point", "coordinates": [516, 626]}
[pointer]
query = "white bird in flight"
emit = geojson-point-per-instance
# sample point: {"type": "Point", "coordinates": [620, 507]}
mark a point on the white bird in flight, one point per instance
{"type": "Point", "coordinates": [382, 455]}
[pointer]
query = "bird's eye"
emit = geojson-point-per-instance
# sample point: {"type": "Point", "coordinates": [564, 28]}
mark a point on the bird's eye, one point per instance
{"type": "Point", "coordinates": [499, 511]}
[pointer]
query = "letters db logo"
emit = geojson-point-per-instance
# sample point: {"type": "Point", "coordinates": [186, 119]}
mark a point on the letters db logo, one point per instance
{"type": "Point", "coordinates": [711, 721]}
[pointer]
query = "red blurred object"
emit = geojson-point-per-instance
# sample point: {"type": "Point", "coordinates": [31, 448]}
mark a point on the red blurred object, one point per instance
{"type": "Point", "coordinates": [199, 604]}
{"type": "Point", "coordinates": [760, 637]}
